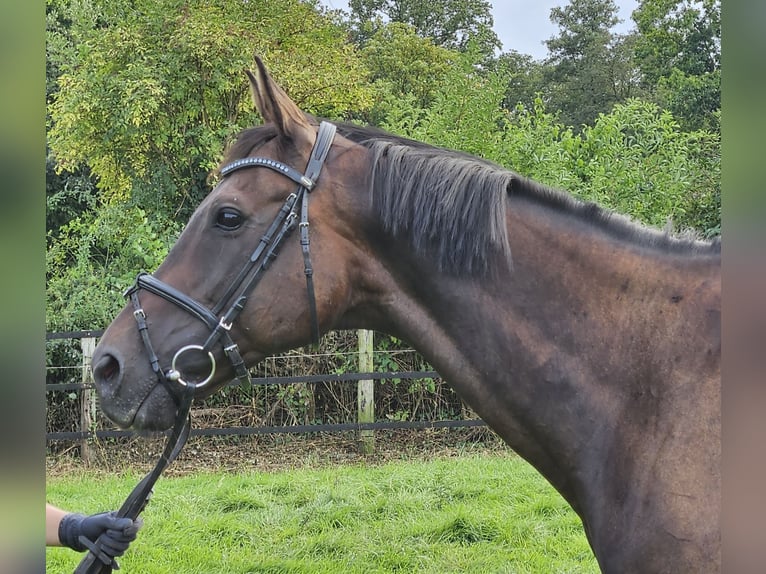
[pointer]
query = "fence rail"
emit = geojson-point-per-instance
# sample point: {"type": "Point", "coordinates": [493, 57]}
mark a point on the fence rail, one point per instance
{"type": "Point", "coordinates": [365, 425]}
{"type": "Point", "coordinates": [291, 429]}
{"type": "Point", "coordinates": [326, 378]}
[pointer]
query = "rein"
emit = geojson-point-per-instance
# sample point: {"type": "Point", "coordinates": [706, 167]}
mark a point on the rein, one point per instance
{"type": "Point", "coordinates": [95, 561]}
{"type": "Point", "coordinates": [218, 321]}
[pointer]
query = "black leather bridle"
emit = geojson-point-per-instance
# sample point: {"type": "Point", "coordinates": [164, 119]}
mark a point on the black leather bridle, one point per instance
{"type": "Point", "coordinates": [219, 320]}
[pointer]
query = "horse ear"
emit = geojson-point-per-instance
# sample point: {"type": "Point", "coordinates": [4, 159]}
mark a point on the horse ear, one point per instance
{"type": "Point", "coordinates": [275, 105]}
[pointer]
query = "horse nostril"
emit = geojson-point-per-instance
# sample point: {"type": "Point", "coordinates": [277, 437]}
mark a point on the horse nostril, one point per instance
{"type": "Point", "coordinates": [106, 371]}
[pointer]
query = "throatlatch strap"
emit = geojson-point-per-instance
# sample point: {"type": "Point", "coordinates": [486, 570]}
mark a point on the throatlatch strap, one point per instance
{"type": "Point", "coordinates": [318, 155]}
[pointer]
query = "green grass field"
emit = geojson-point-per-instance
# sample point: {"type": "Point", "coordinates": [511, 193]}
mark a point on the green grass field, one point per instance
{"type": "Point", "coordinates": [481, 514]}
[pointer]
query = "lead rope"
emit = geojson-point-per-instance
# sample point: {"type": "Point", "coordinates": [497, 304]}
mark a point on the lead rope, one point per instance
{"type": "Point", "coordinates": [96, 562]}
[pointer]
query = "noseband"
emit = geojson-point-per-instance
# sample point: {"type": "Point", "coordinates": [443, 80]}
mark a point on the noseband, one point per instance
{"type": "Point", "coordinates": [220, 319]}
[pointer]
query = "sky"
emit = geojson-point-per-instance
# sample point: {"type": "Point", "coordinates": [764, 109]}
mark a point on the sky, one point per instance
{"type": "Point", "coordinates": [524, 25]}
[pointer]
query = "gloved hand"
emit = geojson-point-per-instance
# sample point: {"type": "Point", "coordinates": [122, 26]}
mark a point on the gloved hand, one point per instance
{"type": "Point", "coordinates": [118, 532]}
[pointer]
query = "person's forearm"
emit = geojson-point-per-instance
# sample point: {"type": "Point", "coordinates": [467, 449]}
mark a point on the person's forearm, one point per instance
{"type": "Point", "coordinates": [53, 518]}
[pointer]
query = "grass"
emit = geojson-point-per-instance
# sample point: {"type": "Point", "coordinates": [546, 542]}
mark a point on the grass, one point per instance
{"type": "Point", "coordinates": [478, 514]}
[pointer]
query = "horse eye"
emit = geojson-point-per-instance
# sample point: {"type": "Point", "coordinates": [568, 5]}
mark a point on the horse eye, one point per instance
{"type": "Point", "coordinates": [229, 219]}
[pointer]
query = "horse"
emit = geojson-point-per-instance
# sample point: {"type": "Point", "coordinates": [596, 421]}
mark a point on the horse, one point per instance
{"type": "Point", "coordinates": [589, 343]}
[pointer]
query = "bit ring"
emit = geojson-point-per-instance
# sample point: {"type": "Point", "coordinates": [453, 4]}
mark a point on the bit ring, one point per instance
{"type": "Point", "coordinates": [174, 375]}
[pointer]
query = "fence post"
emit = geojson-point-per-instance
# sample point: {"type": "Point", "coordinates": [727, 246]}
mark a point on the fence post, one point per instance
{"type": "Point", "coordinates": [87, 397]}
{"type": "Point", "coordinates": [365, 392]}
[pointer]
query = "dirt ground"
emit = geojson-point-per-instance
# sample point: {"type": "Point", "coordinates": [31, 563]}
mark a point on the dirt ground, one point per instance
{"type": "Point", "coordinates": [274, 452]}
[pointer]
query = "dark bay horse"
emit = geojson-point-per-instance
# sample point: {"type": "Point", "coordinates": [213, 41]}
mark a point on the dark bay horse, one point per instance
{"type": "Point", "coordinates": [589, 343]}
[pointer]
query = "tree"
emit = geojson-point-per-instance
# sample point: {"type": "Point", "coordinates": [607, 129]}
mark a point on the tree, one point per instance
{"type": "Point", "coordinates": [588, 69]}
{"type": "Point", "coordinates": [94, 257]}
{"type": "Point", "coordinates": [448, 23]}
{"type": "Point", "coordinates": [153, 92]}
{"type": "Point", "coordinates": [145, 94]}
{"type": "Point", "coordinates": [523, 75]}
{"type": "Point", "coordinates": [67, 193]}
{"type": "Point", "coordinates": [465, 113]}
{"type": "Point", "coordinates": [678, 51]}
{"type": "Point", "coordinates": [401, 65]}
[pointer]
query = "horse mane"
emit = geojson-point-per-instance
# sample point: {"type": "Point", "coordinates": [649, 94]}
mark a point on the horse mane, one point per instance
{"type": "Point", "coordinates": [452, 205]}
{"type": "Point", "coordinates": [448, 204]}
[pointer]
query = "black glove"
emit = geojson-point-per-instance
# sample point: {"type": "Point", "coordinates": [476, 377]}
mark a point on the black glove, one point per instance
{"type": "Point", "coordinates": [118, 532]}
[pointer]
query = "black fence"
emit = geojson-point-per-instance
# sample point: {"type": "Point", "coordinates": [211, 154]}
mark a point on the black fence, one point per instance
{"type": "Point", "coordinates": [81, 392]}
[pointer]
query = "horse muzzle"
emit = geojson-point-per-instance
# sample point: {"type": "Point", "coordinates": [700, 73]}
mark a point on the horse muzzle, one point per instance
{"type": "Point", "coordinates": [141, 405]}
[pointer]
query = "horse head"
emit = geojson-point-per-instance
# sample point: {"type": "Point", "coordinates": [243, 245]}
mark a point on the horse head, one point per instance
{"type": "Point", "coordinates": [257, 269]}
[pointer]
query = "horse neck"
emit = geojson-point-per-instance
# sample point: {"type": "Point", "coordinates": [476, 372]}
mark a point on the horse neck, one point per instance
{"type": "Point", "coordinates": [548, 352]}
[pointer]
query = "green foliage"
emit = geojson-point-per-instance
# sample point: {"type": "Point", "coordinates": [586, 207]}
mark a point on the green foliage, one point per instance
{"type": "Point", "coordinates": [583, 24]}
{"type": "Point", "coordinates": [638, 161]}
{"type": "Point", "coordinates": [402, 64]}
{"type": "Point", "coordinates": [95, 259]}
{"type": "Point", "coordinates": [678, 34]}
{"type": "Point", "coordinates": [635, 160]}
{"type": "Point", "coordinates": [149, 97]}
{"type": "Point", "coordinates": [452, 24]}
{"type": "Point", "coordinates": [588, 69]}
{"type": "Point", "coordinates": [678, 51]}
{"type": "Point", "coordinates": [694, 100]}
{"type": "Point", "coordinates": [537, 145]}
{"type": "Point", "coordinates": [464, 115]}
{"type": "Point", "coordinates": [67, 195]}
{"type": "Point", "coordinates": [523, 76]}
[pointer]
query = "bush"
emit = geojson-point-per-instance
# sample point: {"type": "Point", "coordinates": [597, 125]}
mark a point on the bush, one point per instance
{"type": "Point", "coordinates": [95, 258]}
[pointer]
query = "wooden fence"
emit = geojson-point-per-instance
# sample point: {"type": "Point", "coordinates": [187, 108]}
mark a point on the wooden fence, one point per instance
{"type": "Point", "coordinates": [365, 425]}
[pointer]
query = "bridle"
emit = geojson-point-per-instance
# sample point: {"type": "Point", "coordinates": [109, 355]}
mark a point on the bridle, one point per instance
{"type": "Point", "coordinates": [219, 320]}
